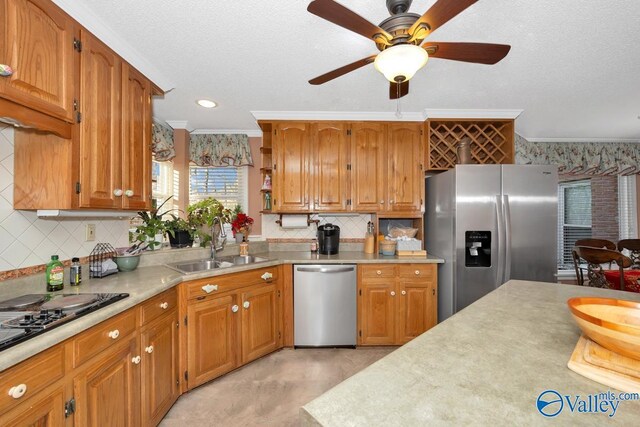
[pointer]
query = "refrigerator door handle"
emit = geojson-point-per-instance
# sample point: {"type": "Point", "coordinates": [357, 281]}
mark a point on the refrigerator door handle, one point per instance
{"type": "Point", "coordinates": [507, 237]}
{"type": "Point", "coordinates": [499, 243]}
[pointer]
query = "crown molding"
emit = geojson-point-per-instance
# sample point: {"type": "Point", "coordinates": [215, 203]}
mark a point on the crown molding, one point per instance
{"type": "Point", "coordinates": [178, 124]}
{"type": "Point", "coordinates": [88, 19]}
{"type": "Point", "coordinates": [585, 140]}
{"type": "Point", "coordinates": [385, 116]}
{"type": "Point", "coordinates": [470, 114]}
{"type": "Point", "coordinates": [251, 133]}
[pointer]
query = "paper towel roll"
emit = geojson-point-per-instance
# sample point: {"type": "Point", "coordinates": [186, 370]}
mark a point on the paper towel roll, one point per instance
{"type": "Point", "coordinates": [294, 221]}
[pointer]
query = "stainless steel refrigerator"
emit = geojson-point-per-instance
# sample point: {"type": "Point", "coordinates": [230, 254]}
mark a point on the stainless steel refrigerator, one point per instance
{"type": "Point", "coordinates": [490, 223]}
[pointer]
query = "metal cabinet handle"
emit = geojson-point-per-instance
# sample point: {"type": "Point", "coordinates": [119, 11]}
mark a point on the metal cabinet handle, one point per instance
{"type": "Point", "coordinates": [18, 391]}
{"type": "Point", "coordinates": [117, 192]}
{"type": "Point", "coordinates": [403, 292]}
{"type": "Point", "coordinates": [149, 349]}
{"type": "Point", "coordinates": [136, 360]}
{"type": "Point", "coordinates": [128, 193]}
{"type": "Point", "coordinates": [235, 308]}
{"type": "Point", "coordinates": [164, 305]}
{"type": "Point", "coordinates": [114, 334]}
{"type": "Point", "coordinates": [5, 70]}
{"type": "Point", "coordinates": [267, 276]}
{"type": "Point", "coordinates": [393, 293]}
{"type": "Point", "coordinates": [210, 288]}
{"type": "Point", "coordinates": [246, 304]}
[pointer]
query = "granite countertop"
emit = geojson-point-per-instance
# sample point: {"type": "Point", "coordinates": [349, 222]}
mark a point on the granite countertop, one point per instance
{"type": "Point", "coordinates": [146, 282]}
{"type": "Point", "coordinates": [486, 365]}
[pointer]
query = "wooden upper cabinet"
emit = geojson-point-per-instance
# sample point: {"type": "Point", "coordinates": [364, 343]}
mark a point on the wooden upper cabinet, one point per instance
{"type": "Point", "coordinates": [404, 167]}
{"type": "Point", "coordinates": [37, 41]}
{"type": "Point", "coordinates": [136, 139]}
{"type": "Point", "coordinates": [368, 167]}
{"type": "Point", "coordinates": [100, 129]}
{"type": "Point", "coordinates": [330, 163]}
{"type": "Point", "coordinates": [291, 174]}
{"type": "Point", "coordinates": [260, 321]}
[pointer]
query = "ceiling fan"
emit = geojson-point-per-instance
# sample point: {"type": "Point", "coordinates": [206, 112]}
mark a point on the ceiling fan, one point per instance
{"type": "Point", "coordinates": [399, 37]}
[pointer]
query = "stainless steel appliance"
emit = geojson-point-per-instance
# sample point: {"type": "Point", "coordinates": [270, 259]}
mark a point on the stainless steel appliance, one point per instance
{"type": "Point", "coordinates": [29, 315]}
{"type": "Point", "coordinates": [324, 304]}
{"type": "Point", "coordinates": [490, 223]}
{"type": "Point", "coordinates": [328, 239]}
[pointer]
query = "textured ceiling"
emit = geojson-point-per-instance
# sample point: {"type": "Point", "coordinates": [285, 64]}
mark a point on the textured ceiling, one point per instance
{"type": "Point", "coordinates": [574, 66]}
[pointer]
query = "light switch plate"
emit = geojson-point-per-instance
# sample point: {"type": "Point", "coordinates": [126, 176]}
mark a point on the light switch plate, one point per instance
{"type": "Point", "coordinates": [90, 232]}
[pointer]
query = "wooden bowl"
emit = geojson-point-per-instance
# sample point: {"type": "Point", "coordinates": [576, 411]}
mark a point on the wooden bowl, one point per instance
{"type": "Point", "coordinates": [612, 323]}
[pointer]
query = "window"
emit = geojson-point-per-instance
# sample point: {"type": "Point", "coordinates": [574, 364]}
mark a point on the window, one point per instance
{"type": "Point", "coordinates": [627, 207]}
{"type": "Point", "coordinates": [227, 184]}
{"type": "Point", "coordinates": [574, 218]}
{"type": "Point", "coordinates": [162, 184]}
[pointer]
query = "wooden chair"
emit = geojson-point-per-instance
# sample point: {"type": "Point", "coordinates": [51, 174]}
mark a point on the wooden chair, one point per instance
{"type": "Point", "coordinates": [596, 243]}
{"type": "Point", "coordinates": [633, 246]}
{"type": "Point", "coordinates": [594, 257]}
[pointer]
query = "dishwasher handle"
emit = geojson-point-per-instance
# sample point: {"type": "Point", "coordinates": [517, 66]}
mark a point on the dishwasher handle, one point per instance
{"type": "Point", "coordinates": [325, 270]}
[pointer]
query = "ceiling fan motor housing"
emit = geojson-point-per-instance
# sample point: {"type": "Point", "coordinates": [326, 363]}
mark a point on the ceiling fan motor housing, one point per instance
{"type": "Point", "coordinates": [398, 6]}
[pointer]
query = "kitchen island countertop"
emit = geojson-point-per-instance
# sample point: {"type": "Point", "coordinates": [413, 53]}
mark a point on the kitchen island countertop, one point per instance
{"type": "Point", "coordinates": [146, 282]}
{"type": "Point", "coordinates": [486, 365]}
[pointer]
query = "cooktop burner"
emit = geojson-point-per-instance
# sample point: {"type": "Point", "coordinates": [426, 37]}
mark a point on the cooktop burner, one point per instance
{"type": "Point", "coordinates": [23, 317]}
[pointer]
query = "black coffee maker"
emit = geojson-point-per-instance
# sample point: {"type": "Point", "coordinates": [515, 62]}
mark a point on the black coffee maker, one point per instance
{"type": "Point", "coordinates": [328, 239]}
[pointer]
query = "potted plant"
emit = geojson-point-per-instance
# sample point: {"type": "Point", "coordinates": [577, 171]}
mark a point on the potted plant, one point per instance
{"type": "Point", "coordinates": [152, 228]}
{"type": "Point", "coordinates": [201, 214]}
{"type": "Point", "coordinates": [241, 226]}
{"type": "Point", "coordinates": [180, 232]}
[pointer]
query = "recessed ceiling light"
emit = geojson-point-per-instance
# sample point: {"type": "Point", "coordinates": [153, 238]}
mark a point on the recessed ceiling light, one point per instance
{"type": "Point", "coordinates": [206, 103]}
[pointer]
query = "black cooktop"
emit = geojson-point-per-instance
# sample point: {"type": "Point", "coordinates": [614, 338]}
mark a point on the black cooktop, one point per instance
{"type": "Point", "coordinates": [30, 315]}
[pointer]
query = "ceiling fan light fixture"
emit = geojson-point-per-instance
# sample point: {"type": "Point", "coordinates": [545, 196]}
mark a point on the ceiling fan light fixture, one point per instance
{"type": "Point", "coordinates": [206, 103]}
{"type": "Point", "coordinates": [401, 62]}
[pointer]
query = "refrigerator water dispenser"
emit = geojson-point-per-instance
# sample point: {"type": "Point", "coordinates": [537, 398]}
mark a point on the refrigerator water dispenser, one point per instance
{"type": "Point", "coordinates": [477, 248]}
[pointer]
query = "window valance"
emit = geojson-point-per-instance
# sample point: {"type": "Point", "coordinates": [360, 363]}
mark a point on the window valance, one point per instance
{"type": "Point", "coordinates": [220, 150]}
{"type": "Point", "coordinates": [584, 158]}
{"type": "Point", "coordinates": [162, 142]}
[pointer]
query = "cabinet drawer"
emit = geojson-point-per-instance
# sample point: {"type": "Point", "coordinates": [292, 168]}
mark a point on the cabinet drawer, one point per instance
{"type": "Point", "coordinates": [31, 376]}
{"type": "Point", "coordinates": [229, 282]}
{"type": "Point", "coordinates": [100, 337]}
{"type": "Point", "coordinates": [422, 271]}
{"type": "Point", "coordinates": [378, 270]}
{"type": "Point", "coordinates": [158, 305]}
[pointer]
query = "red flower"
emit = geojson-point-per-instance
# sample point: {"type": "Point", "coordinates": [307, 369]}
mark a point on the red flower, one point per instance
{"type": "Point", "coordinates": [242, 221]}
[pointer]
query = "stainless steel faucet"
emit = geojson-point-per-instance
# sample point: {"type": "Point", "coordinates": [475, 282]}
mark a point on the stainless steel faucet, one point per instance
{"type": "Point", "coordinates": [214, 247]}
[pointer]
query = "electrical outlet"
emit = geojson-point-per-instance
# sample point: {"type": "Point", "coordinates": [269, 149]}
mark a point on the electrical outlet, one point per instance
{"type": "Point", "coordinates": [90, 232]}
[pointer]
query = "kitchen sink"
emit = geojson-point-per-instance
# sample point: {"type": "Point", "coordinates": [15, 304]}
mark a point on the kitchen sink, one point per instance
{"type": "Point", "coordinates": [200, 265]}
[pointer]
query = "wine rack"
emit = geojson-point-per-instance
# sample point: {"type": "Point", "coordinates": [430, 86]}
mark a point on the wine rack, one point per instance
{"type": "Point", "coordinates": [492, 141]}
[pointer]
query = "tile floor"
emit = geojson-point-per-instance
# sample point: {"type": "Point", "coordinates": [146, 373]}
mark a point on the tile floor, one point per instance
{"type": "Point", "coordinates": [271, 390]}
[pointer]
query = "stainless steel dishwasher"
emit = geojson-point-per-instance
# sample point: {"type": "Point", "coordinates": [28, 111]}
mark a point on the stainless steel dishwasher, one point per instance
{"type": "Point", "coordinates": [324, 303]}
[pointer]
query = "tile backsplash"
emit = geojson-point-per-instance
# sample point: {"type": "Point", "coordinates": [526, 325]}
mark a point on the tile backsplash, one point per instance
{"type": "Point", "coordinates": [351, 227]}
{"type": "Point", "coordinates": [26, 240]}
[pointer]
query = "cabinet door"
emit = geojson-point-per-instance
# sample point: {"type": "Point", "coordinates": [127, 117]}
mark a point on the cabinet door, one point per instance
{"type": "Point", "coordinates": [39, 46]}
{"type": "Point", "coordinates": [330, 175]}
{"type": "Point", "coordinates": [260, 325]}
{"type": "Point", "coordinates": [417, 308]}
{"type": "Point", "coordinates": [404, 168]}
{"type": "Point", "coordinates": [136, 139]}
{"type": "Point", "coordinates": [377, 311]}
{"type": "Point", "coordinates": [100, 132]}
{"type": "Point", "coordinates": [45, 409]}
{"type": "Point", "coordinates": [368, 167]}
{"type": "Point", "coordinates": [211, 339]}
{"type": "Point", "coordinates": [160, 375]}
{"type": "Point", "coordinates": [291, 169]}
{"type": "Point", "coordinates": [107, 392]}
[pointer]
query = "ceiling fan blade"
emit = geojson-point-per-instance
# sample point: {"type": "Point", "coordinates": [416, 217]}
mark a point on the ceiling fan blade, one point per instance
{"type": "Point", "coordinates": [438, 15]}
{"type": "Point", "coordinates": [481, 53]}
{"type": "Point", "coordinates": [393, 89]}
{"type": "Point", "coordinates": [342, 70]}
{"type": "Point", "coordinates": [340, 15]}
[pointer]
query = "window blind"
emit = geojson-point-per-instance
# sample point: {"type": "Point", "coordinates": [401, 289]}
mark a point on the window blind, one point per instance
{"type": "Point", "coordinates": [574, 218]}
{"type": "Point", "coordinates": [226, 184]}
{"type": "Point", "coordinates": [627, 207]}
{"type": "Point", "coordinates": [162, 184]}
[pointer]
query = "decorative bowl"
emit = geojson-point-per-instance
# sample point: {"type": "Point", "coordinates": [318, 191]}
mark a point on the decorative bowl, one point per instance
{"type": "Point", "coordinates": [127, 262]}
{"type": "Point", "coordinates": [612, 323]}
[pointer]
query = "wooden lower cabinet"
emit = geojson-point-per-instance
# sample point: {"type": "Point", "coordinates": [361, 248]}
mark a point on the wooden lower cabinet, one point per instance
{"type": "Point", "coordinates": [45, 409]}
{"type": "Point", "coordinates": [160, 375]}
{"type": "Point", "coordinates": [260, 321]}
{"type": "Point", "coordinates": [211, 339]}
{"type": "Point", "coordinates": [396, 303]}
{"type": "Point", "coordinates": [107, 391]}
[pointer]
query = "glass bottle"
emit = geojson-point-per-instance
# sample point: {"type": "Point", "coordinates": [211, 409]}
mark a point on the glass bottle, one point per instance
{"type": "Point", "coordinates": [55, 274]}
{"type": "Point", "coordinates": [75, 272]}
